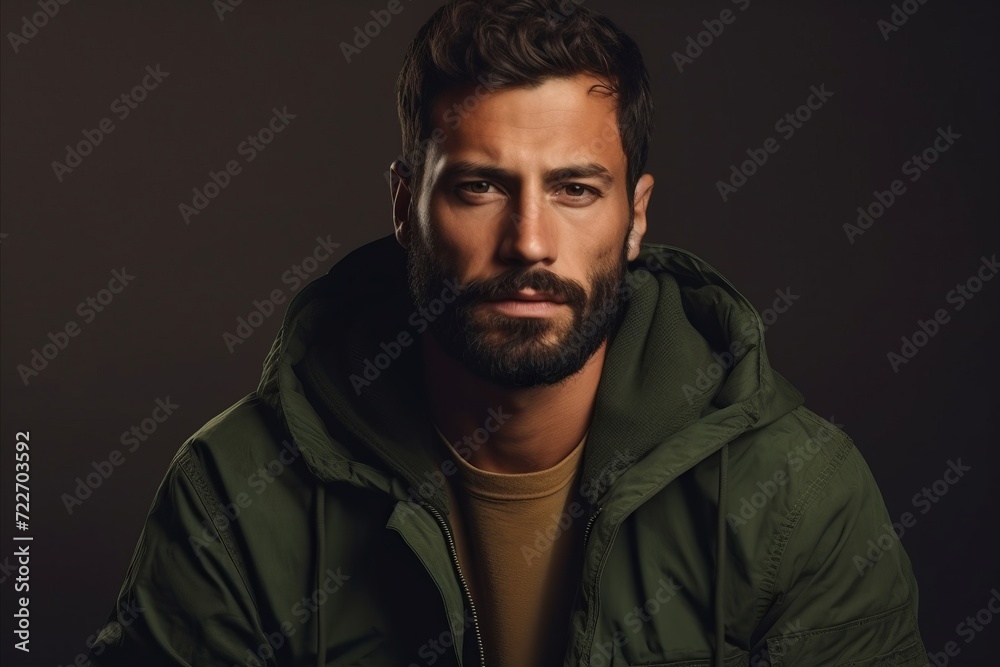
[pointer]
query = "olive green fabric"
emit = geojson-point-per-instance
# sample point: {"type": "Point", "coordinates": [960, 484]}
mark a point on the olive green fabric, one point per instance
{"type": "Point", "coordinates": [726, 523]}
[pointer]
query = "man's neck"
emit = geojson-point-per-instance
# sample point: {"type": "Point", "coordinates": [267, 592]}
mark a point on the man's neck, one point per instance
{"type": "Point", "coordinates": [509, 430]}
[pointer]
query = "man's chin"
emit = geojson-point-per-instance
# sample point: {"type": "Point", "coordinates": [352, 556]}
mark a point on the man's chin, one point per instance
{"type": "Point", "coordinates": [518, 361]}
{"type": "Point", "coordinates": [524, 335]}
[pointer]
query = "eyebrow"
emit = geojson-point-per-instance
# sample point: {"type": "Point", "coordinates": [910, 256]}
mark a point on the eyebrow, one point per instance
{"type": "Point", "coordinates": [470, 168]}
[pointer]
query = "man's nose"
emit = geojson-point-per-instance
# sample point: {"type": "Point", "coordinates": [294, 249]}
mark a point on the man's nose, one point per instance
{"type": "Point", "coordinates": [529, 234]}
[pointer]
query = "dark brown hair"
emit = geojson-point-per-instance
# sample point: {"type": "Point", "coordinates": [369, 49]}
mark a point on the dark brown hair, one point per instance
{"type": "Point", "coordinates": [500, 44]}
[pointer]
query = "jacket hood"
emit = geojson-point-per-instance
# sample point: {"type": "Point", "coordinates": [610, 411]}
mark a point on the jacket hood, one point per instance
{"type": "Point", "coordinates": [344, 371]}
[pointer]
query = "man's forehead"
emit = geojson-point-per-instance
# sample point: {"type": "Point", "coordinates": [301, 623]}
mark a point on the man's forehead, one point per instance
{"type": "Point", "coordinates": [573, 117]}
{"type": "Point", "coordinates": [580, 93]}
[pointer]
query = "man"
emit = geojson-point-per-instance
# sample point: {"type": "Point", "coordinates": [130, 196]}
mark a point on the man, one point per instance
{"type": "Point", "coordinates": [513, 434]}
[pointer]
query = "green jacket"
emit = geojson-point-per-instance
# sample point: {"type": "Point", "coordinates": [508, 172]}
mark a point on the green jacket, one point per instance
{"type": "Point", "coordinates": [307, 525]}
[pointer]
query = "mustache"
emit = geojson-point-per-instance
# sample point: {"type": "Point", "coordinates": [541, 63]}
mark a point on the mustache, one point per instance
{"type": "Point", "coordinates": [539, 280]}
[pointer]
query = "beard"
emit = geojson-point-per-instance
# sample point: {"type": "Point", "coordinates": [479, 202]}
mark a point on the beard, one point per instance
{"type": "Point", "coordinates": [518, 352]}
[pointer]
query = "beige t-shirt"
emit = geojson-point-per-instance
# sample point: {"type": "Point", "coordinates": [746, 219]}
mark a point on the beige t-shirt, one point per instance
{"type": "Point", "coordinates": [519, 542]}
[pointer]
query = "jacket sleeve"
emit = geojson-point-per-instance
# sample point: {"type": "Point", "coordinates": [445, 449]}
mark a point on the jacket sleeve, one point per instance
{"type": "Point", "coordinates": [184, 600]}
{"type": "Point", "coordinates": [845, 593]}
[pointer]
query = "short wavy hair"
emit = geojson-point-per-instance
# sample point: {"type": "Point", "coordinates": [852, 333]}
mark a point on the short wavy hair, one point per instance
{"type": "Point", "coordinates": [502, 44]}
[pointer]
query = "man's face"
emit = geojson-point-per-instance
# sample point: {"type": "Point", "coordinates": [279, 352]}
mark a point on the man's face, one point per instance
{"type": "Point", "coordinates": [524, 204]}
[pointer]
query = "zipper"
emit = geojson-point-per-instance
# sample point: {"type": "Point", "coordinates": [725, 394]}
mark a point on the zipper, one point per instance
{"type": "Point", "coordinates": [590, 522]}
{"type": "Point", "coordinates": [461, 578]}
{"type": "Point", "coordinates": [591, 605]}
{"type": "Point", "coordinates": [596, 602]}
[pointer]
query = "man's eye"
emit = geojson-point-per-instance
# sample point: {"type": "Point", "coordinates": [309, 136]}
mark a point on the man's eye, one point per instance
{"type": "Point", "coordinates": [580, 193]}
{"type": "Point", "coordinates": [477, 187]}
{"type": "Point", "coordinates": [576, 190]}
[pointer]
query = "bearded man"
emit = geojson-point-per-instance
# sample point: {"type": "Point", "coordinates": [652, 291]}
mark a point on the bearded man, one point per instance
{"type": "Point", "coordinates": [511, 433]}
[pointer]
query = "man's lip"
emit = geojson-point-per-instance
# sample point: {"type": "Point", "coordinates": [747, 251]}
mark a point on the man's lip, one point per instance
{"type": "Point", "coordinates": [528, 296]}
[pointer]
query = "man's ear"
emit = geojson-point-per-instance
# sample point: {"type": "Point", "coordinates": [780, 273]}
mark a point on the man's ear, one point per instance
{"type": "Point", "coordinates": [643, 191]}
{"type": "Point", "coordinates": [399, 187]}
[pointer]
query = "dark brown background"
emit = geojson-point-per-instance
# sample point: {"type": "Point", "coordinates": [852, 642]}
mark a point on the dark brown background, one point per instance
{"type": "Point", "coordinates": [324, 176]}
